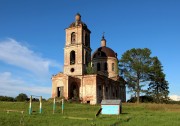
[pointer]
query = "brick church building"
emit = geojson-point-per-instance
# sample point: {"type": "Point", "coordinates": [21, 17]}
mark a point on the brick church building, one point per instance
{"type": "Point", "coordinates": [75, 81]}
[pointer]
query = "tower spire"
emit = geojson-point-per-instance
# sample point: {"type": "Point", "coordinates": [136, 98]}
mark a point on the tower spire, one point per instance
{"type": "Point", "coordinates": [78, 17]}
{"type": "Point", "coordinates": [103, 35]}
{"type": "Point", "coordinates": [103, 40]}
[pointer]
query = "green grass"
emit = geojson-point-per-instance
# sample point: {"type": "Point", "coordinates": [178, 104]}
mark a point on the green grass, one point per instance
{"type": "Point", "coordinates": [84, 115]}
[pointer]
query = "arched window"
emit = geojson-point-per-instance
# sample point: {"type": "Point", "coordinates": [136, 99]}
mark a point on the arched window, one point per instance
{"type": "Point", "coordinates": [72, 57]}
{"type": "Point", "coordinates": [73, 38]}
{"type": "Point", "coordinates": [105, 66]}
{"type": "Point", "coordinates": [116, 93]}
{"type": "Point", "coordinates": [112, 66]}
{"type": "Point", "coordinates": [87, 40]}
{"type": "Point", "coordinates": [98, 67]}
{"type": "Point", "coordinates": [86, 58]}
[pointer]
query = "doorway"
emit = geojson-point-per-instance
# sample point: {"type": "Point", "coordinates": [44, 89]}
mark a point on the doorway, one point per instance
{"type": "Point", "coordinates": [60, 91]}
{"type": "Point", "coordinates": [74, 90]}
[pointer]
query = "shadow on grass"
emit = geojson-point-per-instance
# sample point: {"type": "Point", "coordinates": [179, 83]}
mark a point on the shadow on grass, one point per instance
{"type": "Point", "coordinates": [116, 123]}
{"type": "Point", "coordinates": [124, 113]}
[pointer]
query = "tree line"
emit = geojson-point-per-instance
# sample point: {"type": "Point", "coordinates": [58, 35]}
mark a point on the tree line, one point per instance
{"type": "Point", "coordinates": [140, 70]}
{"type": "Point", "coordinates": [21, 97]}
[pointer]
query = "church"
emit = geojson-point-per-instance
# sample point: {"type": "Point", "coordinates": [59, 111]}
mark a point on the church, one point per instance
{"type": "Point", "coordinates": [102, 81]}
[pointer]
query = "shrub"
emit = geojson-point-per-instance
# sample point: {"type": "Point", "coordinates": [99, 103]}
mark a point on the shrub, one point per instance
{"type": "Point", "coordinates": [142, 99]}
{"type": "Point", "coordinates": [22, 97]}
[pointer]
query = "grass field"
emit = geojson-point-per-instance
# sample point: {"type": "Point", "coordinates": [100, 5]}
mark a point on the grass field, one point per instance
{"type": "Point", "coordinates": [84, 115]}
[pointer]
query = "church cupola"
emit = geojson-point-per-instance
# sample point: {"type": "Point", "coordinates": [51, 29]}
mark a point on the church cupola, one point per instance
{"type": "Point", "coordinates": [103, 41]}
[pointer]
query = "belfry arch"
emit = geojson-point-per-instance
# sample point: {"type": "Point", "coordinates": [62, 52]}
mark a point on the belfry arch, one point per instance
{"type": "Point", "coordinates": [72, 57]}
{"type": "Point", "coordinates": [73, 37]}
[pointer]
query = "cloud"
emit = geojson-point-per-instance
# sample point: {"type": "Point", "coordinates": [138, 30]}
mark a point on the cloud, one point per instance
{"type": "Point", "coordinates": [175, 97]}
{"type": "Point", "coordinates": [14, 53]}
{"type": "Point", "coordinates": [33, 79]}
{"type": "Point", "coordinates": [12, 86]}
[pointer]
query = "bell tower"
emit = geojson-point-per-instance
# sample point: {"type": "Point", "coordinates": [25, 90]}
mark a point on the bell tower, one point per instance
{"type": "Point", "coordinates": [77, 51]}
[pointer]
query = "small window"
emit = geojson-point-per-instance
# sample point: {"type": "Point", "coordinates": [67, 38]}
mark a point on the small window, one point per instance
{"type": "Point", "coordinates": [72, 70]}
{"type": "Point", "coordinates": [98, 67]}
{"type": "Point", "coordinates": [86, 58]}
{"type": "Point", "coordinates": [73, 38]}
{"type": "Point", "coordinates": [116, 93]}
{"type": "Point", "coordinates": [99, 87]}
{"type": "Point", "coordinates": [112, 66]}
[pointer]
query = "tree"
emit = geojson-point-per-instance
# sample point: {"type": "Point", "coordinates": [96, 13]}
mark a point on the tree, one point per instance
{"type": "Point", "coordinates": [6, 98]}
{"type": "Point", "coordinates": [143, 99]}
{"type": "Point", "coordinates": [22, 97]}
{"type": "Point", "coordinates": [134, 66]}
{"type": "Point", "coordinates": [89, 69]}
{"type": "Point", "coordinates": [158, 86]}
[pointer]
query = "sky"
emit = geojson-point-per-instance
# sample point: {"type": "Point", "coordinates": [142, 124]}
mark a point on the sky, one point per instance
{"type": "Point", "coordinates": [32, 37]}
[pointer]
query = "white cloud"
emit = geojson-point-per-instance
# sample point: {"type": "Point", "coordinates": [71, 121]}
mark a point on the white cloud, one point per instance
{"type": "Point", "coordinates": [14, 53]}
{"type": "Point", "coordinates": [16, 81]}
{"type": "Point", "coordinates": [12, 86]}
{"type": "Point", "coordinates": [175, 97]}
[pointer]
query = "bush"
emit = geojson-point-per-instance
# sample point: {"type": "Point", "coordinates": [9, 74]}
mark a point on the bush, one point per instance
{"type": "Point", "coordinates": [22, 97]}
{"type": "Point", "coordinates": [142, 99]}
{"type": "Point", "coordinates": [6, 98]}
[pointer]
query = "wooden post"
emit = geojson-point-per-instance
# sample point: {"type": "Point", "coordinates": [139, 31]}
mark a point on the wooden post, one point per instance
{"type": "Point", "coordinates": [30, 106]}
{"type": "Point", "coordinates": [62, 106]}
{"type": "Point", "coordinates": [40, 106]}
{"type": "Point", "coordinates": [54, 105]}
